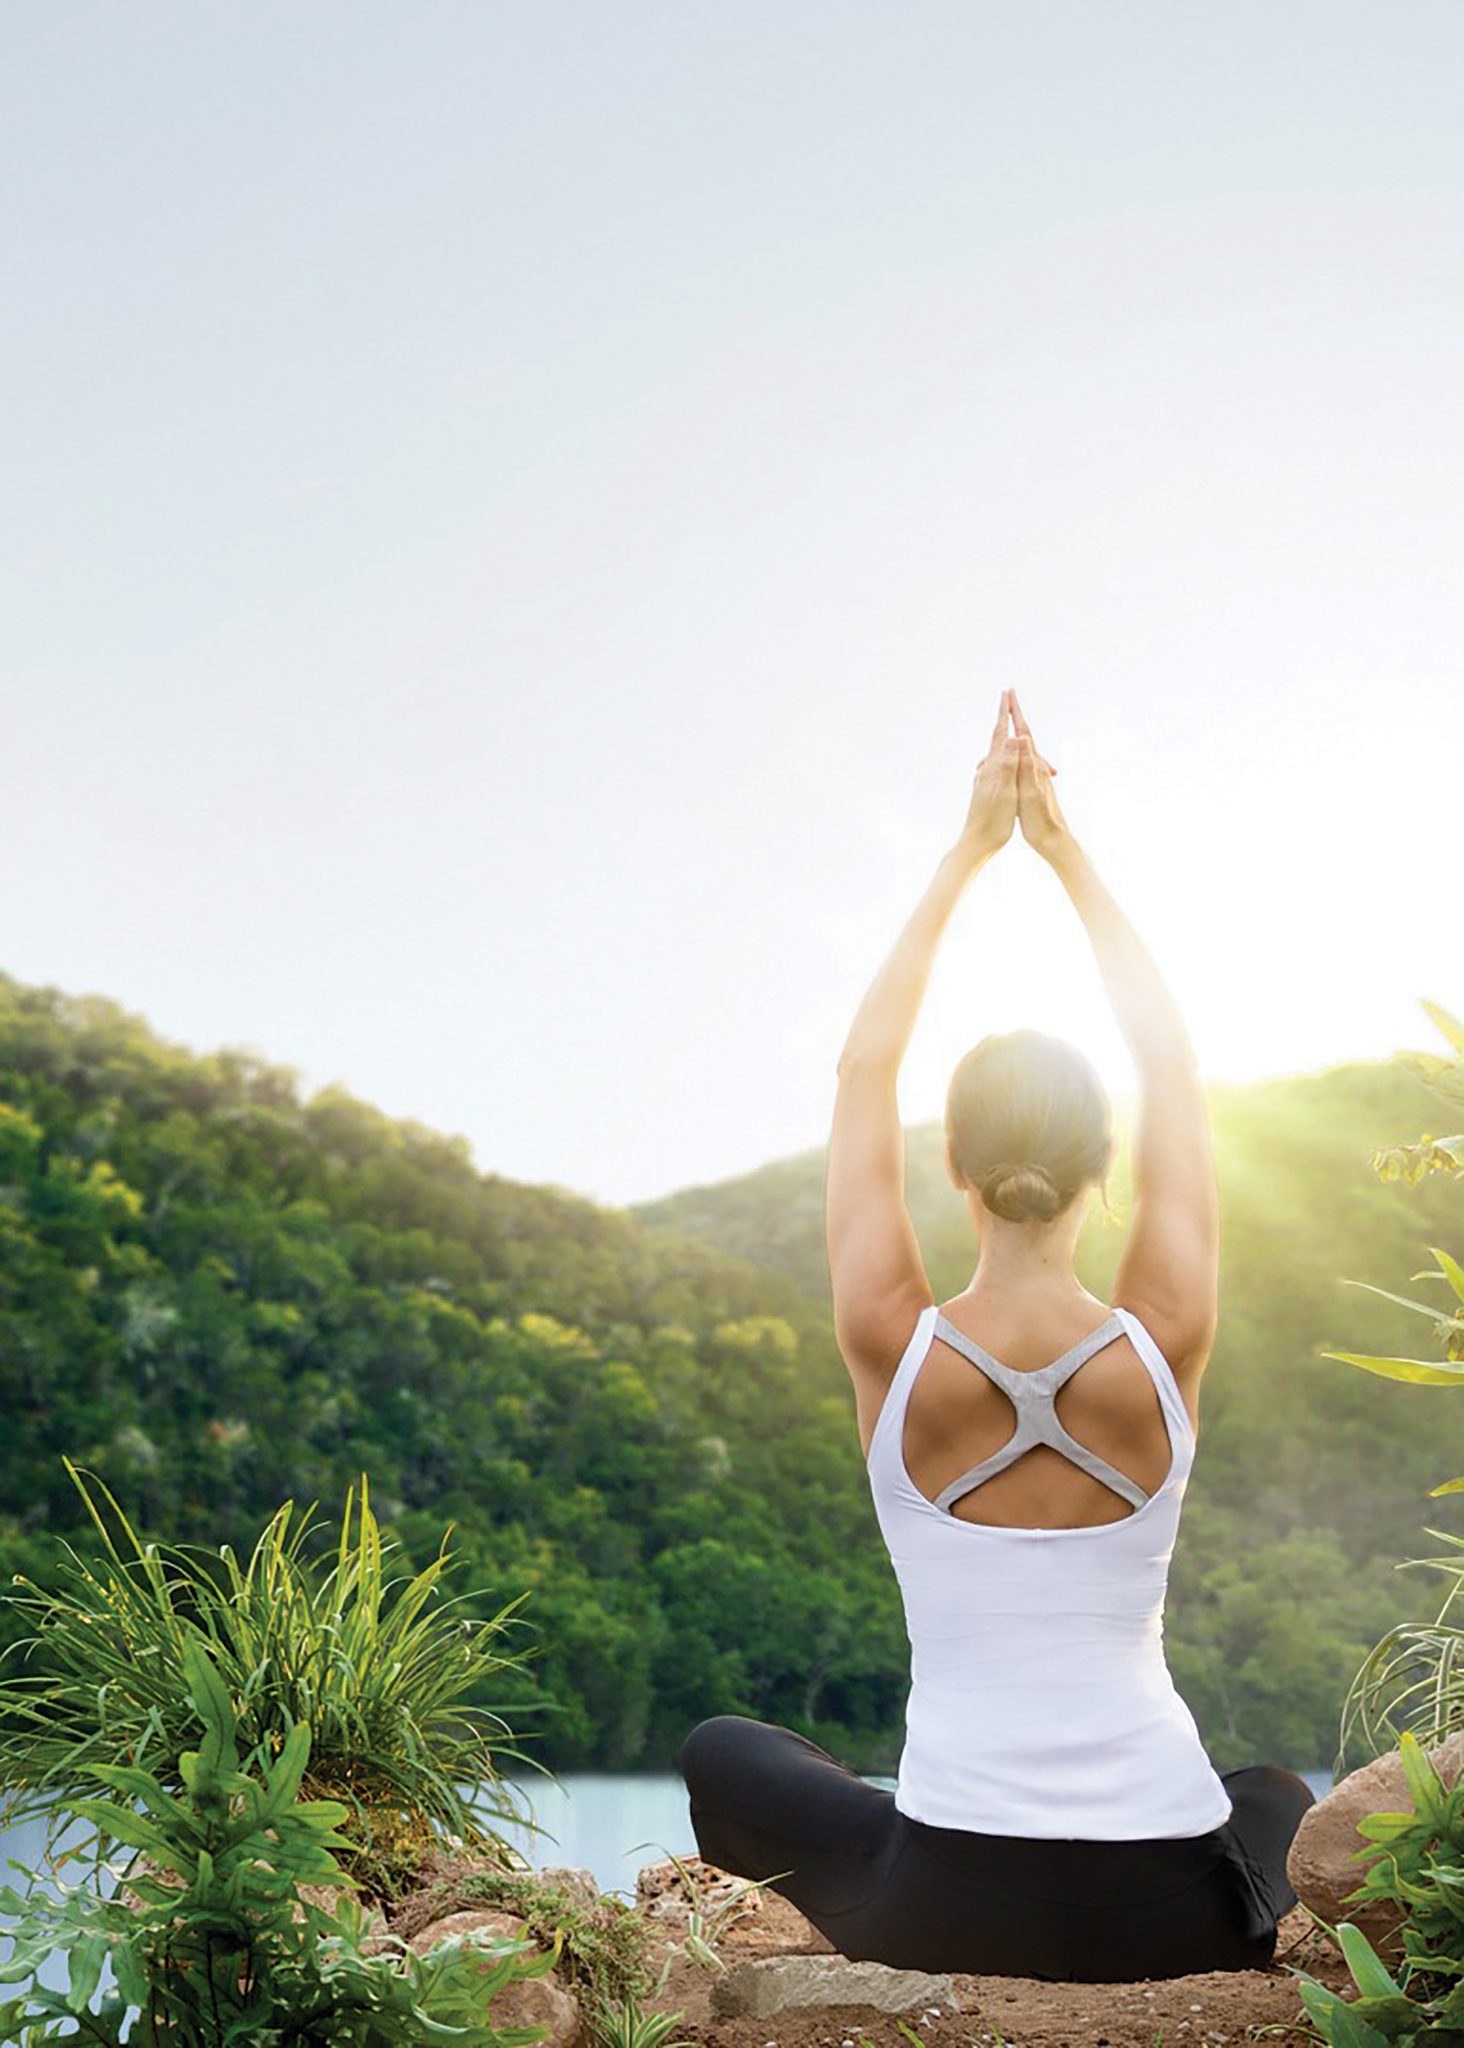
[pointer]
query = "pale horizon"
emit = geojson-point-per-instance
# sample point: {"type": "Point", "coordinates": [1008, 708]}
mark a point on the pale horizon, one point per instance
{"type": "Point", "coordinates": [519, 520]}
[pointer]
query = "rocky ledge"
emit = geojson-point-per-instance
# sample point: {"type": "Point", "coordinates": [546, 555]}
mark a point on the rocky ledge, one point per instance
{"type": "Point", "coordinates": [781, 1984]}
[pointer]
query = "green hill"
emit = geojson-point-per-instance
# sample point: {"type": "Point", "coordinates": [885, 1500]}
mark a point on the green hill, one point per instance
{"type": "Point", "coordinates": [218, 1294]}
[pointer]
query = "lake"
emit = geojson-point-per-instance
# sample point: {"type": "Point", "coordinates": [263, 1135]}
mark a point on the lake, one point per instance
{"type": "Point", "coordinates": [610, 1823]}
{"type": "Point", "coordinates": [597, 1818]}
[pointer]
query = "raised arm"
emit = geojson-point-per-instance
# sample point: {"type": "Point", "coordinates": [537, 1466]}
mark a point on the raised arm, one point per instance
{"type": "Point", "coordinates": [879, 1282]}
{"type": "Point", "coordinates": [1168, 1273]}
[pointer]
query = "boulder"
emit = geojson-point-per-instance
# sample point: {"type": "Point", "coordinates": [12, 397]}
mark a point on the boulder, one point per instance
{"type": "Point", "coordinates": [1321, 1863]}
{"type": "Point", "coordinates": [531, 2002]}
{"type": "Point", "coordinates": [742, 1915]}
{"type": "Point", "coordinates": [485, 1920]}
{"type": "Point", "coordinates": [578, 1885]}
{"type": "Point", "coordinates": [757, 1990]}
{"type": "Point", "coordinates": [442, 1881]}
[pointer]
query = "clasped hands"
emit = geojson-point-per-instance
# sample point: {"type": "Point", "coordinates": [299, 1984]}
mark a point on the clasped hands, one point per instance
{"type": "Point", "coordinates": [1013, 785]}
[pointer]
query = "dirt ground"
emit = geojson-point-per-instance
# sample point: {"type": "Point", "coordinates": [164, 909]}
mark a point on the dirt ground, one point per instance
{"type": "Point", "coordinates": [1218, 2008]}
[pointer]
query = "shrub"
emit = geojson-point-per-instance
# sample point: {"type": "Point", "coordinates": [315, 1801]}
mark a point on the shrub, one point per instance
{"type": "Point", "coordinates": [219, 1946]}
{"type": "Point", "coordinates": [1415, 1862]}
{"type": "Point", "coordinates": [381, 1669]}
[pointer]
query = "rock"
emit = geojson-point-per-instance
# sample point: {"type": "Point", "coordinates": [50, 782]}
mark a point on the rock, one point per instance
{"type": "Point", "coordinates": [774, 1927]}
{"type": "Point", "coordinates": [532, 2002]}
{"type": "Point", "coordinates": [661, 1892]}
{"type": "Point", "coordinates": [486, 1920]}
{"type": "Point", "coordinates": [738, 1913]}
{"type": "Point", "coordinates": [577, 1885]}
{"type": "Point", "coordinates": [757, 1990]}
{"type": "Point", "coordinates": [1321, 1862]}
{"type": "Point", "coordinates": [656, 1881]}
{"type": "Point", "coordinates": [443, 1887]}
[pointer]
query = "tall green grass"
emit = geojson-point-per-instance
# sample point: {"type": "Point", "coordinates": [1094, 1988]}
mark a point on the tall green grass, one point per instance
{"type": "Point", "coordinates": [1412, 1681]}
{"type": "Point", "coordinates": [386, 1669]}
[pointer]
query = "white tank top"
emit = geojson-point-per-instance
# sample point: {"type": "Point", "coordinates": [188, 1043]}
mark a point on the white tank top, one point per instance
{"type": "Point", "coordinates": [1040, 1700]}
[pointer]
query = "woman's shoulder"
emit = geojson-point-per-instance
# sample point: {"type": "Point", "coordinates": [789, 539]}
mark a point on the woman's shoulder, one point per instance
{"type": "Point", "coordinates": [874, 1337]}
{"type": "Point", "coordinates": [1183, 1333]}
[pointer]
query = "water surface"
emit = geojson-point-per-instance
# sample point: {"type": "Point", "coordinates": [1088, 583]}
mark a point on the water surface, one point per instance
{"type": "Point", "coordinates": [609, 1823]}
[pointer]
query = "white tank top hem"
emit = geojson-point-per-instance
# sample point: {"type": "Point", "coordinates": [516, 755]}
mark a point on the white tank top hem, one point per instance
{"type": "Point", "coordinates": [1041, 1703]}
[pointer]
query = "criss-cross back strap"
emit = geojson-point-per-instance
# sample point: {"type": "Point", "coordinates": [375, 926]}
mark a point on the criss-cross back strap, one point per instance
{"type": "Point", "coordinates": [1032, 1395]}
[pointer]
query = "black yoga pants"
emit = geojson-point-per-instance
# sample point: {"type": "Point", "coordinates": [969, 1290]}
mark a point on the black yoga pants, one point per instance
{"type": "Point", "coordinates": [768, 1803]}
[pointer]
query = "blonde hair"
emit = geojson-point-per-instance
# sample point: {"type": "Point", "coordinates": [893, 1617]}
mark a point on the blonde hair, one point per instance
{"type": "Point", "coordinates": [1028, 1124]}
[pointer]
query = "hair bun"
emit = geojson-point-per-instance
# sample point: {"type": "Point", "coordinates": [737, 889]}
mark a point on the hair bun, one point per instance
{"type": "Point", "coordinates": [1022, 1194]}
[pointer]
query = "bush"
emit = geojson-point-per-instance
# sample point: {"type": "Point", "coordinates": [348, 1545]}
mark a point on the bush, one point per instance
{"type": "Point", "coordinates": [220, 1948]}
{"type": "Point", "coordinates": [380, 1669]}
{"type": "Point", "coordinates": [1416, 1862]}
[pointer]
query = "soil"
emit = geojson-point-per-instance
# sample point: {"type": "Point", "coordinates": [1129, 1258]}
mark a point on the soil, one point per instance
{"type": "Point", "coordinates": [1213, 2010]}
{"type": "Point", "coordinates": [1220, 2007]}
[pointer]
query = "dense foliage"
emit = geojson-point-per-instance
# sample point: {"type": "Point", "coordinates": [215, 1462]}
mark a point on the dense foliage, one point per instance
{"type": "Point", "coordinates": [379, 1665]}
{"type": "Point", "coordinates": [221, 1941]}
{"type": "Point", "coordinates": [219, 1296]}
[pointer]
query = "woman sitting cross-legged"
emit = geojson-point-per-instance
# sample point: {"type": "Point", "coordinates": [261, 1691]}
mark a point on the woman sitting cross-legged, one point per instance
{"type": "Point", "coordinates": [1028, 1448]}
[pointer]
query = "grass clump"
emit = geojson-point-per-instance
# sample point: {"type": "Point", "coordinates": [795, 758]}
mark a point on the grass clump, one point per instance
{"type": "Point", "coordinates": [219, 1943]}
{"type": "Point", "coordinates": [632, 2028]}
{"type": "Point", "coordinates": [383, 1668]}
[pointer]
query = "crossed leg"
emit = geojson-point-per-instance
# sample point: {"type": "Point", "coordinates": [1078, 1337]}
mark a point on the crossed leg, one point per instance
{"type": "Point", "coordinates": [765, 1800]}
{"type": "Point", "coordinates": [767, 1803]}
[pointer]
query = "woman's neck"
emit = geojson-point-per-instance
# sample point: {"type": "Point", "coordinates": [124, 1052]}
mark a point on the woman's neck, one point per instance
{"type": "Point", "coordinates": [1024, 1256]}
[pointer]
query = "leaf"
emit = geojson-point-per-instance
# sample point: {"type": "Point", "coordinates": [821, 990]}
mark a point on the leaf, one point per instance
{"type": "Point", "coordinates": [1348, 2031]}
{"type": "Point", "coordinates": [130, 1971]}
{"type": "Point", "coordinates": [284, 1779]}
{"type": "Point", "coordinates": [121, 1824]}
{"type": "Point", "coordinates": [1320, 2001]}
{"type": "Point", "coordinates": [84, 1967]}
{"type": "Point", "coordinates": [214, 1709]}
{"type": "Point", "coordinates": [1419, 1372]}
{"type": "Point", "coordinates": [1449, 1486]}
{"type": "Point", "coordinates": [1423, 1308]}
{"type": "Point", "coordinates": [1368, 1971]}
{"type": "Point", "coordinates": [1448, 1025]}
{"type": "Point", "coordinates": [1452, 1270]}
{"type": "Point", "coordinates": [1425, 1787]}
{"type": "Point", "coordinates": [1384, 1827]}
{"type": "Point", "coordinates": [142, 1786]}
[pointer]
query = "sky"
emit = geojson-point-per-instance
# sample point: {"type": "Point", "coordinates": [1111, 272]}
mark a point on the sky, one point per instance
{"type": "Point", "coordinates": [515, 519]}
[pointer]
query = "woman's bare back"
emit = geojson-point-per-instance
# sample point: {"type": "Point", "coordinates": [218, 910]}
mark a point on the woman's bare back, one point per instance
{"type": "Point", "coordinates": [956, 1416]}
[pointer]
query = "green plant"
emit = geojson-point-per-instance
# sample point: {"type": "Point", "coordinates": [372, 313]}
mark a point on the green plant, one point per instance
{"type": "Point", "coordinates": [1415, 1859]}
{"type": "Point", "coordinates": [218, 1947]}
{"type": "Point", "coordinates": [1413, 1677]}
{"type": "Point", "coordinates": [1445, 1076]}
{"type": "Point", "coordinates": [629, 2027]}
{"type": "Point", "coordinates": [1384, 2010]}
{"type": "Point", "coordinates": [1410, 1163]}
{"type": "Point", "coordinates": [381, 1668]}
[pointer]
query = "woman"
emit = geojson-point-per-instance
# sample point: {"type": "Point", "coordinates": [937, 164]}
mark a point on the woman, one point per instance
{"type": "Point", "coordinates": [1055, 1814]}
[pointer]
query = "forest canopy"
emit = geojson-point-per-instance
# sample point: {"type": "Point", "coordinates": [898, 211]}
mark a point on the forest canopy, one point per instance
{"type": "Point", "coordinates": [219, 1294]}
